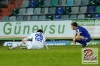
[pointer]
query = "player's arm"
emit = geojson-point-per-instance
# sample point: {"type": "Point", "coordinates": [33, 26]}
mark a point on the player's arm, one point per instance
{"type": "Point", "coordinates": [29, 37]}
{"type": "Point", "coordinates": [75, 36]}
{"type": "Point", "coordinates": [78, 35]}
{"type": "Point", "coordinates": [44, 41]}
{"type": "Point", "coordinates": [74, 39]}
{"type": "Point", "coordinates": [45, 45]}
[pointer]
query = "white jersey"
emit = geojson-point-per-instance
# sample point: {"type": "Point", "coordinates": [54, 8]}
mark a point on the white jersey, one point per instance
{"type": "Point", "coordinates": [38, 39]}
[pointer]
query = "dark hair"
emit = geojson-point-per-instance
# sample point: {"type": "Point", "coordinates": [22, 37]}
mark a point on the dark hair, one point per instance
{"type": "Point", "coordinates": [74, 24]}
{"type": "Point", "coordinates": [40, 30]}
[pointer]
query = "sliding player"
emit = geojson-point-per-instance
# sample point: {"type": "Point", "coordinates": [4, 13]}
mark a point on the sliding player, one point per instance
{"type": "Point", "coordinates": [82, 36]}
{"type": "Point", "coordinates": [38, 41]}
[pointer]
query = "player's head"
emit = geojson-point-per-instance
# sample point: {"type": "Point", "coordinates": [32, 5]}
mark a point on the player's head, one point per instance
{"type": "Point", "coordinates": [40, 30]}
{"type": "Point", "coordinates": [74, 25]}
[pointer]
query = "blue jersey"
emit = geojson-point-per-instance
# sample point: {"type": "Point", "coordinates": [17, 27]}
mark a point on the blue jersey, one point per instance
{"type": "Point", "coordinates": [82, 31]}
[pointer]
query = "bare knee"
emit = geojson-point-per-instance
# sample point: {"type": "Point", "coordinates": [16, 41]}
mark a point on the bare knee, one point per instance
{"type": "Point", "coordinates": [79, 37]}
{"type": "Point", "coordinates": [24, 41]}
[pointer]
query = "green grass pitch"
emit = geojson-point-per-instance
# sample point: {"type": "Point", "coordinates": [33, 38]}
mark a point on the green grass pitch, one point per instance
{"type": "Point", "coordinates": [55, 56]}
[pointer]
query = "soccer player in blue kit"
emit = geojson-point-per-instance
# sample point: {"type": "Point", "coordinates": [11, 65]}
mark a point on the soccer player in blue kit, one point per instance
{"type": "Point", "coordinates": [82, 36]}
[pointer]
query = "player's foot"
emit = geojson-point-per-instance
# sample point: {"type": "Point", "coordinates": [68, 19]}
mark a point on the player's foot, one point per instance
{"type": "Point", "coordinates": [86, 45]}
{"type": "Point", "coordinates": [10, 48]}
{"type": "Point", "coordinates": [22, 47]}
{"type": "Point", "coordinates": [83, 46]}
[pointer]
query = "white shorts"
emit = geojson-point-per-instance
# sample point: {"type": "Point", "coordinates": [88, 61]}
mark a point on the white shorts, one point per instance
{"type": "Point", "coordinates": [30, 45]}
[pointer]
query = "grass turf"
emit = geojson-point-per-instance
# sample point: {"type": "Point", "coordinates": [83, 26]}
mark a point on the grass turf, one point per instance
{"type": "Point", "coordinates": [55, 56]}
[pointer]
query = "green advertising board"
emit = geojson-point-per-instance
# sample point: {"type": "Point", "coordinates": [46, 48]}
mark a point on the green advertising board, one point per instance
{"type": "Point", "coordinates": [95, 42]}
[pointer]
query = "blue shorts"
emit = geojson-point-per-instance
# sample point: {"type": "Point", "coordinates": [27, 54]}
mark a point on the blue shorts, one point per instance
{"type": "Point", "coordinates": [87, 39]}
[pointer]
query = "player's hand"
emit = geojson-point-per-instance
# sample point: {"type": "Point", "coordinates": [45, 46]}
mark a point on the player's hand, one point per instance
{"type": "Point", "coordinates": [74, 41]}
{"type": "Point", "coordinates": [47, 48]}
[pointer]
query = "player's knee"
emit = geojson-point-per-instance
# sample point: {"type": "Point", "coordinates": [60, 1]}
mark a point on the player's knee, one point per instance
{"type": "Point", "coordinates": [77, 38]}
{"type": "Point", "coordinates": [24, 41]}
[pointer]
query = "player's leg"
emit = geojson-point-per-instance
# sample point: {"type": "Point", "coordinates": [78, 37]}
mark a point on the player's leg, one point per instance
{"type": "Point", "coordinates": [36, 47]}
{"type": "Point", "coordinates": [87, 39]}
{"type": "Point", "coordinates": [81, 40]}
{"type": "Point", "coordinates": [23, 46]}
{"type": "Point", "coordinates": [28, 44]}
{"type": "Point", "coordinates": [79, 37]}
{"type": "Point", "coordinates": [25, 42]}
{"type": "Point", "coordinates": [16, 45]}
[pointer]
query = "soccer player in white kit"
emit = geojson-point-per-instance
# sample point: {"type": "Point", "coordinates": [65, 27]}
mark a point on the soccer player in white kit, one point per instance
{"type": "Point", "coordinates": [38, 41]}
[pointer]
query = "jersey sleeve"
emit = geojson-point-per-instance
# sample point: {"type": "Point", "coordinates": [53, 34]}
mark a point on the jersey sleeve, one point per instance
{"type": "Point", "coordinates": [29, 37]}
{"type": "Point", "coordinates": [79, 30]}
{"type": "Point", "coordinates": [44, 39]}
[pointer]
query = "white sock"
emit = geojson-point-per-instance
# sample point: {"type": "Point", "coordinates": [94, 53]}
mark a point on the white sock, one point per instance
{"type": "Point", "coordinates": [17, 44]}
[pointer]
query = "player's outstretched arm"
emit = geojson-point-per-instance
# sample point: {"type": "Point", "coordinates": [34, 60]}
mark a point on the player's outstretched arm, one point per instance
{"type": "Point", "coordinates": [46, 45]}
{"type": "Point", "coordinates": [44, 41]}
{"type": "Point", "coordinates": [29, 37]}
